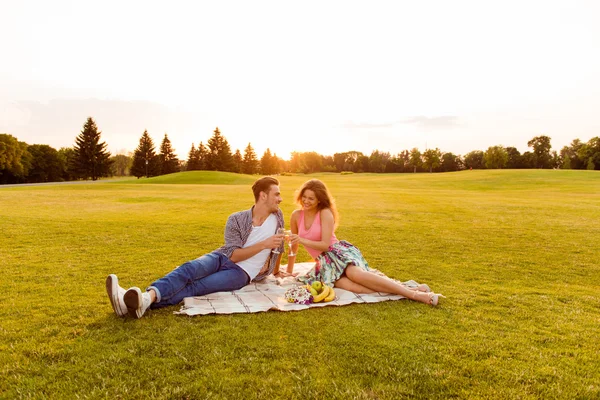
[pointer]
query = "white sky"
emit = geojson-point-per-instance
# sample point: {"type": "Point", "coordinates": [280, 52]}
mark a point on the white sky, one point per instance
{"type": "Point", "coordinates": [323, 76]}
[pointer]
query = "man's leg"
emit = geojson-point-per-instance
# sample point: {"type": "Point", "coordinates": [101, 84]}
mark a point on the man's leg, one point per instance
{"type": "Point", "coordinates": [181, 277]}
{"type": "Point", "coordinates": [188, 280]}
{"type": "Point", "coordinates": [212, 273]}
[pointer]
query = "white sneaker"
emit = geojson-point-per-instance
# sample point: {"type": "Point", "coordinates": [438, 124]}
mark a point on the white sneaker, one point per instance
{"type": "Point", "coordinates": [137, 302]}
{"type": "Point", "coordinates": [115, 294]}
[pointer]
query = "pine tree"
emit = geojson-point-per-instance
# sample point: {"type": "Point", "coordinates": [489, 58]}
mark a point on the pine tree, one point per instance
{"type": "Point", "coordinates": [145, 160]}
{"type": "Point", "coordinates": [219, 157]}
{"type": "Point", "coordinates": [192, 163]}
{"type": "Point", "coordinates": [238, 162]}
{"type": "Point", "coordinates": [168, 161]}
{"type": "Point", "coordinates": [90, 160]}
{"type": "Point", "coordinates": [275, 164]}
{"type": "Point", "coordinates": [202, 154]}
{"type": "Point", "coordinates": [267, 163]}
{"type": "Point", "coordinates": [250, 162]}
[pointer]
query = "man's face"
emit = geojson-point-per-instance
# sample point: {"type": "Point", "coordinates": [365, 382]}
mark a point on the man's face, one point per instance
{"type": "Point", "coordinates": [273, 198]}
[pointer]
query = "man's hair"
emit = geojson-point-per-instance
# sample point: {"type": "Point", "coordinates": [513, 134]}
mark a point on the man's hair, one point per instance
{"type": "Point", "coordinates": [263, 185]}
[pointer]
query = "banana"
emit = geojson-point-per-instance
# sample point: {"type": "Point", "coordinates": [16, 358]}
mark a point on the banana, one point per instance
{"type": "Point", "coordinates": [322, 295]}
{"type": "Point", "coordinates": [330, 296]}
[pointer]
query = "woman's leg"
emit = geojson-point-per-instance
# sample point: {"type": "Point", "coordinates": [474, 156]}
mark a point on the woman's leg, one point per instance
{"type": "Point", "coordinates": [347, 284]}
{"type": "Point", "coordinates": [380, 284]}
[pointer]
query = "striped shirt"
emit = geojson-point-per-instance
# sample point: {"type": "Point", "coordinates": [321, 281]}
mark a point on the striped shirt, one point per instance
{"type": "Point", "coordinates": [237, 230]}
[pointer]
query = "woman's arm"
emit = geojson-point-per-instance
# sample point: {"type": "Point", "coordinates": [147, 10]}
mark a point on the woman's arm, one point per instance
{"type": "Point", "coordinates": [327, 224]}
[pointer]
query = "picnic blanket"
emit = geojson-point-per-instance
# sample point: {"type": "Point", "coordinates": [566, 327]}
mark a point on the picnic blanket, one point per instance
{"type": "Point", "coordinates": [269, 295]}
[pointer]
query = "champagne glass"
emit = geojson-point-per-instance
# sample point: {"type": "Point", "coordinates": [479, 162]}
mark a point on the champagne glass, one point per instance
{"type": "Point", "coordinates": [280, 231]}
{"type": "Point", "coordinates": [287, 235]}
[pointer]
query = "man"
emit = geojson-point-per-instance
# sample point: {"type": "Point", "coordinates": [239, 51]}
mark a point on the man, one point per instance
{"type": "Point", "coordinates": [250, 237]}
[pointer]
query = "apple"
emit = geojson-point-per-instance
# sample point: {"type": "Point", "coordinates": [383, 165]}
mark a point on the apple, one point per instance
{"type": "Point", "coordinates": [318, 286]}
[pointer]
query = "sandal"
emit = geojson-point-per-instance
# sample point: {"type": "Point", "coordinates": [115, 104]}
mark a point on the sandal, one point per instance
{"type": "Point", "coordinates": [434, 298]}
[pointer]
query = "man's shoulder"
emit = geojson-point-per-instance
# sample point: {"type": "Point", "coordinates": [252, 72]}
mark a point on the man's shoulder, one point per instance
{"type": "Point", "coordinates": [241, 214]}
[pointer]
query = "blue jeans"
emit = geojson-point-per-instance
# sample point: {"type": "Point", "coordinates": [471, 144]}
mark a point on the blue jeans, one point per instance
{"type": "Point", "coordinates": [213, 272]}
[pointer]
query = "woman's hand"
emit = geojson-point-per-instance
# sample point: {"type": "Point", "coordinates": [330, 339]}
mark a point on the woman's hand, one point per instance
{"type": "Point", "coordinates": [294, 238]}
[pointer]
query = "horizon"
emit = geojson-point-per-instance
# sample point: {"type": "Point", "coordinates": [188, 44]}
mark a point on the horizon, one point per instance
{"type": "Point", "coordinates": [385, 76]}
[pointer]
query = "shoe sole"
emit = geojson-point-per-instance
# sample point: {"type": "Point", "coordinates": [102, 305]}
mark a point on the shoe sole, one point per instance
{"type": "Point", "coordinates": [133, 301]}
{"type": "Point", "coordinates": [112, 288]}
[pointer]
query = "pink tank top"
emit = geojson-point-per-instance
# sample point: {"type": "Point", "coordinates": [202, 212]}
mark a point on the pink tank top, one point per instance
{"type": "Point", "coordinates": [313, 233]}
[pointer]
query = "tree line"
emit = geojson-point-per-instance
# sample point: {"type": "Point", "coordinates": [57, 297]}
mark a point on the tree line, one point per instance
{"type": "Point", "coordinates": [89, 159]}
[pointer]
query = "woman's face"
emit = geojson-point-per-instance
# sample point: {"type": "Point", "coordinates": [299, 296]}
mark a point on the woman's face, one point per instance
{"type": "Point", "coordinates": [309, 200]}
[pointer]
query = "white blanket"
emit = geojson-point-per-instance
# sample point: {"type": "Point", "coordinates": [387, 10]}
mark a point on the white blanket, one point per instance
{"type": "Point", "coordinates": [269, 295]}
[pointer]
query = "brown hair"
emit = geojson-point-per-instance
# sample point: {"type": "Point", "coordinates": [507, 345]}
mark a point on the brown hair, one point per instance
{"type": "Point", "coordinates": [322, 194]}
{"type": "Point", "coordinates": [263, 185]}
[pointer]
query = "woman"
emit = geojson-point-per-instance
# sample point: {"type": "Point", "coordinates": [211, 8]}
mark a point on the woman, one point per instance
{"type": "Point", "coordinates": [338, 263]}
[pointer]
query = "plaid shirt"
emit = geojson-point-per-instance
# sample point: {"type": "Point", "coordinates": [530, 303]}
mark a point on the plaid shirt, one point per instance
{"type": "Point", "coordinates": [237, 231]}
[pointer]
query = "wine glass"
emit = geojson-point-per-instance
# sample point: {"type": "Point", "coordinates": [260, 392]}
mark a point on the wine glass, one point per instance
{"type": "Point", "coordinates": [280, 231]}
{"type": "Point", "coordinates": [287, 236]}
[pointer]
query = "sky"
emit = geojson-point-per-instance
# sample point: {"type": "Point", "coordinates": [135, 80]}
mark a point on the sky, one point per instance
{"type": "Point", "coordinates": [324, 76]}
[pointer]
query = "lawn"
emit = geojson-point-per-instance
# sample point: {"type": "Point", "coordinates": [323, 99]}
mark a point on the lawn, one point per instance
{"type": "Point", "coordinates": [515, 252]}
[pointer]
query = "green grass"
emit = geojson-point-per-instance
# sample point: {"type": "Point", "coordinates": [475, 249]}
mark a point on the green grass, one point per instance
{"type": "Point", "coordinates": [516, 252]}
{"type": "Point", "coordinates": [199, 177]}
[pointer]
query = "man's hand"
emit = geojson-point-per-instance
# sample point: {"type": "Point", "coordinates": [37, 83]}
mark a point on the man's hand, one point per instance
{"type": "Point", "coordinates": [274, 241]}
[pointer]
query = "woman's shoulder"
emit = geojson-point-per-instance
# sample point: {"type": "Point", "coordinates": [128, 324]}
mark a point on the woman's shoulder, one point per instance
{"type": "Point", "coordinates": [327, 213]}
{"type": "Point", "coordinates": [296, 213]}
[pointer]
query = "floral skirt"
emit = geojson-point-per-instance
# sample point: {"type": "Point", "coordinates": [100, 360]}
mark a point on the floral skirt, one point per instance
{"type": "Point", "coordinates": [331, 264]}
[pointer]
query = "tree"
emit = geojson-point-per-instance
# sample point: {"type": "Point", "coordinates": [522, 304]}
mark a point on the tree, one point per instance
{"type": "Point", "coordinates": [66, 154]}
{"type": "Point", "coordinates": [541, 150]}
{"type": "Point", "coordinates": [404, 161]}
{"type": "Point", "coordinates": [219, 157]}
{"type": "Point", "coordinates": [594, 144]}
{"type": "Point", "coordinates": [415, 159]}
{"type": "Point", "coordinates": [15, 160]}
{"type": "Point", "coordinates": [238, 161]}
{"type": "Point", "coordinates": [527, 160]}
{"type": "Point", "coordinates": [312, 162]}
{"type": "Point", "coordinates": [378, 161]}
{"type": "Point", "coordinates": [91, 159]}
{"type": "Point", "coordinates": [474, 159]}
{"type": "Point", "coordinates": [268, 163]}
{"type": "Point", "coordinates": [565, 161]}
{"type": "Point", "coordinates": [284, 166]}
{"type": "Point", "coordinates": [202, 153]}
{"type": "Point", "coordinates": [450, 162]}
{"type": "Point", "coordinates": [297, 163]}
{"type": "Point", "coordinates": [250, 162]}
{"type": "Point", "coordinates": [121, 164]}
{"type": "Point", "coordinates": [145, 160]}
{"type": "Point", "coordinates": [46, 165]}
{"type": "Point", "coordinates": [514, 158]}
{"type": "Point", "coordinates": [339, 159]}
{"type": "Point", "coordinates": [589, 153]}
{"type": "Point", "coordinates": [327, 164]}
{"type": "Point", "coordinates": [495, 157]}
{"type": "Point", "coordinates": [193, 161]}
{"type": "Point", "coordinates": [431, 158]}
{"type": "Point", "coordinates": [590, 164]}
{"type": "Point", "coordinates": [168, 161]}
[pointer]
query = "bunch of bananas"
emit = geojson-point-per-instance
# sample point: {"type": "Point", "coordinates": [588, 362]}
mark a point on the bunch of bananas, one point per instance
{"type": "Point", "coordinates": [321, 292]}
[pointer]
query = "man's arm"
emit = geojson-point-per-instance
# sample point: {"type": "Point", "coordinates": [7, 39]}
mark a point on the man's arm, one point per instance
{"type": "Point", "coordinates": [240, 254]}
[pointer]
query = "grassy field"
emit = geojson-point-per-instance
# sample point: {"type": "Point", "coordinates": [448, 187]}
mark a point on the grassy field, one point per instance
{"type": "Point", "coordinates": [516, 252]}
